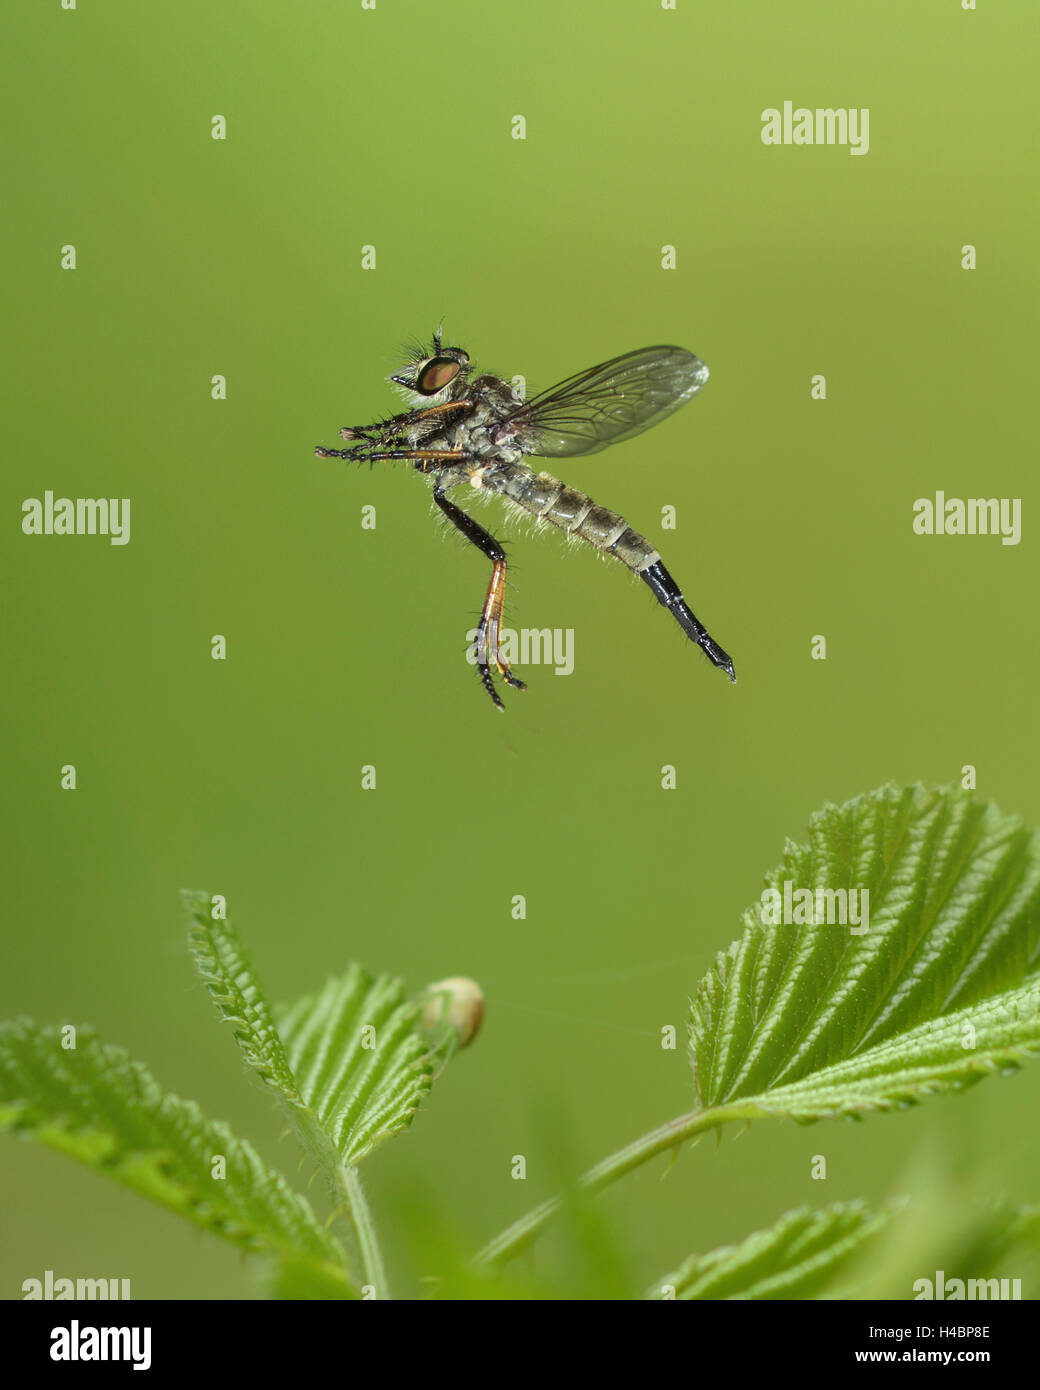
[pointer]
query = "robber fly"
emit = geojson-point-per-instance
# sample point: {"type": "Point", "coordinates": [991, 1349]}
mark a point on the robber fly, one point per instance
{"type": "Point", "coordinates": [464, 428]}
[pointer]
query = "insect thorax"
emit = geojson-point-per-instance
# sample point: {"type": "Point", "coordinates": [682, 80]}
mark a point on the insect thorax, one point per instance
{"type": "Point", "coordinates": [480, 432]}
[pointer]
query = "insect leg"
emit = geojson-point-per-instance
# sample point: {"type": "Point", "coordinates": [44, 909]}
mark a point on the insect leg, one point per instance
{"type": "Point", "coordinates": [667, 592]}
{"type": "Point", "coordinates": [396, 423]}
{"type": "Point", "coordinates": [491, 615]}
{"type": "Point", "coordinates": [364, 453]}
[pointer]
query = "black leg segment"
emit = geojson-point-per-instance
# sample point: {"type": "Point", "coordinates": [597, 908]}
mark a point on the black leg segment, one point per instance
{"type": "Point", "coordinates": [491, 615]}
{"type": "Point", "coordinates": [472, 530]}
{"type": "Point", "coordinates": [668, 594]}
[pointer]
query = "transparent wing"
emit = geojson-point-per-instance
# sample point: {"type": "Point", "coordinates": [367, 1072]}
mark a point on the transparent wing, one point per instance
{"type": "Point", "coordinates": [611, 402]}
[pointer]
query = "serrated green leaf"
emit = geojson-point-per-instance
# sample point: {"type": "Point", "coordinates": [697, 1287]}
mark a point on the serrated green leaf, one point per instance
{"type": "Point", "coordinates": [815, 1020]}
{"type": "Point", "coordinates": [220, 960]}
{"type": "Point", "coordinates": [352, 1060]}
{"type": "Point", "coordinates": [797, 1258]}
{"type": "Point", "coordinates": [955, 1225]}
{"type": "Point", "coordinates": [94, 1103]}
{"type": "Point", "coordinates": [922, 1061]}
{"type": "Point", "coordinates": [358, 1058]}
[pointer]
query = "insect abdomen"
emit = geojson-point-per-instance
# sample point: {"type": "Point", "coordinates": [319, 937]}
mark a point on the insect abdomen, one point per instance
{"type": "Point", "coordinates": [547, 499]}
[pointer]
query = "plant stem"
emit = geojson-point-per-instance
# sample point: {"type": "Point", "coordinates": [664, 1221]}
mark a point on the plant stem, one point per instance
{"type": "Point", "coordinates": [359, 1214]}
{"type": "Point", "coordinates": [351, 1211]}
{"type": "Point", "coordinates": [669, 1136]}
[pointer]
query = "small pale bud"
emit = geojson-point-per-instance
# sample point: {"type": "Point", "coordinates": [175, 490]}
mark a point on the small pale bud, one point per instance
{"type": "Point", "coordinates": [457, 1001]}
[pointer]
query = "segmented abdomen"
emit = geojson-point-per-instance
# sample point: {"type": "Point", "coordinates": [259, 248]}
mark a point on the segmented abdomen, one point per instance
{"type": "Point", "coordinates": [547, 499]}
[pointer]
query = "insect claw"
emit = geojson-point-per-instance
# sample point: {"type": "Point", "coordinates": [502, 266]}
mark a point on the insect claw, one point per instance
{"type": "Point", "coordinates": [347, 433]}
{"type": "Point", "coordinates": [718, 657]}
{"type": "Point", "coordinates": [488, 683]}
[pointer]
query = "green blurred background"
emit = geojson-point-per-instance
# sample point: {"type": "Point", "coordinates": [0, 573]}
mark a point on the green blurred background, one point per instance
{"type": "Point", "coordinates": [243, 258]}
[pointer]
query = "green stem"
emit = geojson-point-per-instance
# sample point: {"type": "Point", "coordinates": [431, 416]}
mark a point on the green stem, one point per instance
{"type": "Point", "coordinates": [669, 1136]}
{"type": "Point", "coordinates": [359, 1214]}
{"type": "Point", "coordinates": [351, 1212]}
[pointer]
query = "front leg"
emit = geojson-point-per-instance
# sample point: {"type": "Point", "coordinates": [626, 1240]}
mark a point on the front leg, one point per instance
{"type": "Point", "coordinates": [491, 616]}
{"type": "Point", "coordinates": [386, 430]}
{"type": "Point", "coordinates": [425, 460]}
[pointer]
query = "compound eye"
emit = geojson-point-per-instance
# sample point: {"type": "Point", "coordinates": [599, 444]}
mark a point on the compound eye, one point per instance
{"type": "Point", "coordinates": [435, 374]}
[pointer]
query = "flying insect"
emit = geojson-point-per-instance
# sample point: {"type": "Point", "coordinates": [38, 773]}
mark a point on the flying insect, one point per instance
{"type": "Point", "coordinates": [463, 427]}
